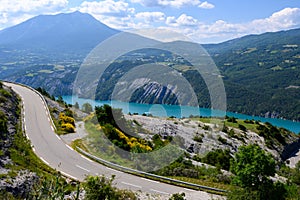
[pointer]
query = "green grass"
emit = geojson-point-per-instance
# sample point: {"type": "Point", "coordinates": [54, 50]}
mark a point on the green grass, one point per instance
{"type": "Point", "coordinates": [5, 93]}
{"type": "Point", "coordinates": [97, 145]}
{"type": "Point", "coordinates": [207, 183]}
{"type": "Point", "coordinates": [251, 127]}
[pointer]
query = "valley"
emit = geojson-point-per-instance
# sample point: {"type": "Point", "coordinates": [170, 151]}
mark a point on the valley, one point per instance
{"type": "Point", "coordinates": [102, 113]}
{"type": "Point", "coordinates": [254, 68]}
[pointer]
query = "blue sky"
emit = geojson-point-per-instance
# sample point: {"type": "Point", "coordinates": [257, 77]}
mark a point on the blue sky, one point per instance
{"type": "Point", "coordinates": [208, 21]}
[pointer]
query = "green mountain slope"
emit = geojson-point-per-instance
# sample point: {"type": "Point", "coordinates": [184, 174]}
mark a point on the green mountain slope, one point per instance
{"type": "Point", "coordinates": [267, 66]}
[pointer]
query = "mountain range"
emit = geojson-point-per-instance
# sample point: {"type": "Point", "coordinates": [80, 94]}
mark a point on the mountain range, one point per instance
{"type": "Point", "coordinates": [261, 73]}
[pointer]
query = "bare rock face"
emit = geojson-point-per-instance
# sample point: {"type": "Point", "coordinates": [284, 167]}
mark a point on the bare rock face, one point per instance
{"type": "Point", "coordinates": [21, 185]}
{"type": "Point", "coordinates": [201, 138]}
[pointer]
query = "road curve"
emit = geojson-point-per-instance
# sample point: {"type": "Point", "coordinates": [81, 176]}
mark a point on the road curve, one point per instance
{"type": "Point", "coordinates": [58, 155]}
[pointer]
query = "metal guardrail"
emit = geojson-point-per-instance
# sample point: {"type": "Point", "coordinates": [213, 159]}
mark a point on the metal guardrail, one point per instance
{"type": "Point", "coordinates": [148, 175]}
{"type": "Point", "coordinates": [122, 168]}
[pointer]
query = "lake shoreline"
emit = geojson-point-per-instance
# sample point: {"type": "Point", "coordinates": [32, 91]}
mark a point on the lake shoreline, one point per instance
{"type": "Point", "coordinates": [182, 111]}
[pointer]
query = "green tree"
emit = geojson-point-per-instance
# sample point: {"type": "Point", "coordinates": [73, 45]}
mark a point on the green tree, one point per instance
{"type": "Point", "coordinates": [177, 196]}
{"type": "Point", "coordinates": [295, 177]}
{"type": "Point", "coordinates": [60, 100]}
{"type": "Point", "coordinates": [101, 188]}
{"type": "Point", "coordinates": [252, 167]}
{"type": "Point", "coordinates": [87, 108]}
{"type": "Point", "coordinates": [219, 158]}
{"type": "Point", "coordinates": [108, 115]}
{"type": "Point", "coordinates": [76, 105]}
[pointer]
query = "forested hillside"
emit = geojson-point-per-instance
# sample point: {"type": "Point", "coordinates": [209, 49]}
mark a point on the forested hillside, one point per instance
{"type": "Point", "coordinates": [261, 73]}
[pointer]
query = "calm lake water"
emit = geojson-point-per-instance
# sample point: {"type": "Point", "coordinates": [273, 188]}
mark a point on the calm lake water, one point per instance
{"type": "Point", "coordinates": [181, 111]}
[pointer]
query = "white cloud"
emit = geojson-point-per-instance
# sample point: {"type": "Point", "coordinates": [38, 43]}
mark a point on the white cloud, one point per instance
{"type": "Point", "coordinates": [283, 19]}
{"type": "Point", "coordinates": [149, 17]}
{"type": "Point", "coordinates": [30, 6]}
{"type": "Point", "coordinates": [206, 5]}
{"type": "Point", "coordinates": [165, 3]}
{"type": "Point", "coordinates": [182, 20]}
{"type": "Point", "coordinates": [116, 14]}
{"type": "Point", "coordinates": [15, 11]}
{"type": "Point", "coordinates": [106, 7]}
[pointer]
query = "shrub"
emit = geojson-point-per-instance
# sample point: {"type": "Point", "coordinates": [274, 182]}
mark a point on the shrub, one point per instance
{"type": "Point", "coordinates": [198, 138]}
{"type": "Point", "coordinates": [102, 188]}
{"type": "Point", "coordinates": [69, 128]}
{"type": "Point", "coordinates": [219, 158]}
{"type": "Point", "coordinates": [66, 120]}
{"type": "Point", "coordinates": [231, 119]}
{"type": "Point", "coordinates": [242, 127]}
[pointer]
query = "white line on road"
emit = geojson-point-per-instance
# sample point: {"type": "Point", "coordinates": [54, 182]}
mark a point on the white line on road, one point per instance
{"type": "Point", "coordinates": [57, 136]}
{"type": "Point", "coordinates": [33, 149]}
{"type": "Point", "coordinates": [86, 158]}
{"type": "Point", "coordinates": [44, 160]}
{"type": "Point", "coordinates": [131, 185]}
{"type": "Point", "coordinates": [150, 180]}
{"type": "Point", "coordinates": [83, 168]}
{"type": "Point", "coordinates": [190, 190]}
{"type": "Point", "coordinates": [69, 147]}
{"type": "Point", "coordinates": [68, 175]}
{"type": "Point", "coordinates": [52, 128]}
{"type": "Point", "coordinates": [48, 119]}
{"type": "Point", "coordinates": [159, 191]}
{"type": "Point", "coordinates": [114, 170]}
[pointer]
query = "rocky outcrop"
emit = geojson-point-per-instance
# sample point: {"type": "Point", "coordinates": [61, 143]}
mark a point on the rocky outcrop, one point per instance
{"type": "Point", "coordinates": [201, 138]}
{"type": "Point", "coordinates": [21, 184]}
{"type": "Point", "coordinates": [154, 93]}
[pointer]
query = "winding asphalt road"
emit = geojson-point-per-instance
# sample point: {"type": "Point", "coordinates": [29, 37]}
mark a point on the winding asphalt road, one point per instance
{"type": "Point", "coordinates": [58, 155]}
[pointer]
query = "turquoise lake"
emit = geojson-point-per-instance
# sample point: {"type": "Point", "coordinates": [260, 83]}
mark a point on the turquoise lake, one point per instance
{"type": "Point", "coordinates": [181, 111]}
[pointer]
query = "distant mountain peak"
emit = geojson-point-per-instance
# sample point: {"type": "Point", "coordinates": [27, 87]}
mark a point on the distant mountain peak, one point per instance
{"type": "Point", "coordinates": [64, 31]}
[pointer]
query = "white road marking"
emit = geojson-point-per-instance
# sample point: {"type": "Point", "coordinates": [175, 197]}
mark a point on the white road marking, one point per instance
{"type": "Point", "coordinates": [69, 147]}
{"type": "Point", "coordinates": [44, 160]}
{"type": "Point", "coordinates": [161, 192]}
{"type": "Point", "coordinates": [83, 168]}
{"type": "Point", "coordinates": [86, 158]}
{"type": "Point", "coordinates": [137, 186]}
{"type": "Point", "coordinates": [190, 190]}
{"type": "Point", "coordinates": [33, 149]}
{"type": "Point", "coordinates": [150, 180]}
{"type": "Point", "coordinates": [68, 175]}
{"type": "Point", "coordinates": [52, 128]}
{"type": "Point", "coordinates": [57, 136]}
{"type": "Point", "coordinates": [48, 119]}
{"type": "Point", "coordinates": [25, 127]}
{"type": "Point", "coordinates": [114, 170]}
